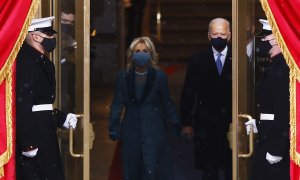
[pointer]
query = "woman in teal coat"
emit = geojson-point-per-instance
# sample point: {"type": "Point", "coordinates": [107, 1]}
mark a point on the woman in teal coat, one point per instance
{"type": "Point", "coordinates": [139, 114]}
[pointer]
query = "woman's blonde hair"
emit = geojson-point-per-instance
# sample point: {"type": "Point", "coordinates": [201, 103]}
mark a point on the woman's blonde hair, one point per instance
{"type": "Point", "coordinates": [150, 47]}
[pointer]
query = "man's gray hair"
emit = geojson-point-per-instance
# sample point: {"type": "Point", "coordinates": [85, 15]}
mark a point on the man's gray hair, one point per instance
{"type": "Point", "coordinates": [219, 20]}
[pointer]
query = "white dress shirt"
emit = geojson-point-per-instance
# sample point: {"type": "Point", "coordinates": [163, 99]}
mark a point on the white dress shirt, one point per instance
{"type": "Point", "coordinates": [224, 53]}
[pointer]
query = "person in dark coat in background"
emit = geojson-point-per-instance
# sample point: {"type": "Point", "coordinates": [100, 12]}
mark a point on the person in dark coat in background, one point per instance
{"type": "Point", "coordinates": [206, 111]}
{"type": "Point", "coordinates": [37, 151]}
{"type": "Point", "coordinates": [68, 46]}
{"type": "Point", "coordinates": [271, 158]}
{"type": "Point", "coordinates": [139, 114]}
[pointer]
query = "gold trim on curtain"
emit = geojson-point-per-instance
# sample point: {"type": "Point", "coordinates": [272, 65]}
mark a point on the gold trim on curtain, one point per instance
{"type": "Point", "coordinates": [11, 58]}
{"type": "Point", "coordinates": [6, 75]}
{"type": "Point", "coordinates": [4, 158]}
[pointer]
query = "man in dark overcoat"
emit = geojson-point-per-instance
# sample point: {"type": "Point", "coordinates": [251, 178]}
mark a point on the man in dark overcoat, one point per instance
{"type": "Point", "coordinates": [37, 151]}
{"type": "Point", "coordinates": [271, 158]}
{"type": "Point", "coordinates": [206, 102]}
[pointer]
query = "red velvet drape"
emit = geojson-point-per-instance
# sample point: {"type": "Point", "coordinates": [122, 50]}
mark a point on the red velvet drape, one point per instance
{"type": "Point", "coordinates": [284, 18]}
{"type": "Point", "coordinates": [15, 17]}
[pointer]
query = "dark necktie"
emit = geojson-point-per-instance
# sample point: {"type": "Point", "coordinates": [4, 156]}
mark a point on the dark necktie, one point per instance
{"type": "Point", "coordinates": [219, 63]}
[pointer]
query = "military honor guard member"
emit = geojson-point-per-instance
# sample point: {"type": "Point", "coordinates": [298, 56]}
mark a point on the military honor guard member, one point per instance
{"type": "Point", "coordinates": [37, 151]}
{"type": "Point", "coordinates": [271, 158]}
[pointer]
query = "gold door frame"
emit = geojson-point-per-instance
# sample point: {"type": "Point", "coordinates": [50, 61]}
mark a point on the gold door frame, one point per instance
{"type": "Point", "coordinates": [242, 18]}
{"type": "Point", "coordinates": [82, 16]}
{"type": "Point", "coordinates": [84, 45]}
{"type": "Point", "coordinates": [82, 92]}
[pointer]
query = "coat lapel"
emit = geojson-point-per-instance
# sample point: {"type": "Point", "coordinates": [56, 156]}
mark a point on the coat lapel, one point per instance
{"type": "Point", "coordinates": [130, 81]}
{"type": "Point", "coordinates": [131, 84]}
{"type": "Point", "coordinates": [227, 64]}
{"type": "Point", "coordinates": [149, 83]}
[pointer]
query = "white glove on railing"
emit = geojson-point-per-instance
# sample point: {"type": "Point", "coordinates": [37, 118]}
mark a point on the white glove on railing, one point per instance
{"type": "Point", "coordinates": [273, 159]}
{"type": "Point", "coordinates": [250, 123]}
{"type": "Point", "coordinates": [30, 153]}
{"type": "Point", "coordinates": [71, 121]}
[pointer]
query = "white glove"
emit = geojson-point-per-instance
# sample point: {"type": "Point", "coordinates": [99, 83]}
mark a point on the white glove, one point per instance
{"type": "Point", "coordinates": [71, 121]}
{"type": "Point", "coordinates": [30, 153]}
{"type": "Point", "coordinates": [273, 159]}
{"type": "Point", "coordinates": [251, 124]}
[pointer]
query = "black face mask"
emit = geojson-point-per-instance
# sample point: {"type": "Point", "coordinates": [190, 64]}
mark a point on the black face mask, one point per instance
{"type": "Point", "coordinates": [264, 47]}
{"type": "Point", "coordinates": [68, 29]}
{"type": "Point", "coordinates": [219, 43]}
{"type": "Point", "coordinates": [49, 44]}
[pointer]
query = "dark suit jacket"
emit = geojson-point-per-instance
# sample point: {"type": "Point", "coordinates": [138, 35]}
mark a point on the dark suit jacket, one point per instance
{"type": "Point", "coordinates": [206, 105]}
{"type": "Point", "coordinates": [273, 135]}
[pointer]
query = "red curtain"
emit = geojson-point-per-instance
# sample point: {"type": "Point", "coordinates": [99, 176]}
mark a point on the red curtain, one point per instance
{"type": "Point", "coordinates": [284, 18]}
{"type": "Point", "coordinates": [15, 17]}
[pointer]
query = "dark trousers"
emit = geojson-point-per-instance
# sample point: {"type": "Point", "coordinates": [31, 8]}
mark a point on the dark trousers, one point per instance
{"type": "Point", "coordinates": [32, 169]}
{"type": "Point", "coordinates": [262, 169]}
{"type": "Point", "coordinates": [211, 172]}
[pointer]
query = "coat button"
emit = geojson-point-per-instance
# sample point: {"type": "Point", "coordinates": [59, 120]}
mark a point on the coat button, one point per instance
{"type": "Point", "coordinates": [257, 105]}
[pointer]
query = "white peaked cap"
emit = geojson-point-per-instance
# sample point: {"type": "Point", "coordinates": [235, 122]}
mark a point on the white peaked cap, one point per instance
{"type": "Point", "coordinates": [40, 23]}
{"type": "Point", "coordinates": [266, 25]}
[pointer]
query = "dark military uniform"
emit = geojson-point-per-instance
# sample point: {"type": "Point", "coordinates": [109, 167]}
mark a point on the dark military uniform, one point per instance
{"type": "Point", "coordinates": [36, 86]}
{"type": "Point", "coordinates": [273, 124]}
{"type": "Point", "coordinates": [210, 95]}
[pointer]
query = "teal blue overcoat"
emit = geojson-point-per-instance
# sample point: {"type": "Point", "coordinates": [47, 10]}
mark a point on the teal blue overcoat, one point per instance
{"type": "Point", "coordinates": [143, 124]}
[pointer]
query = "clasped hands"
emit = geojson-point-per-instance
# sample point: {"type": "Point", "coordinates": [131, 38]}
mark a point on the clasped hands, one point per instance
{"type": "Point", "coordinates": [187, 131]}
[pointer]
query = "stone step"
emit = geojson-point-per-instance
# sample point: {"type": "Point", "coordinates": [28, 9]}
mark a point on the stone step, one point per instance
{"type": "Point", "coordinates": [187, 25]}
{"type": "Point", "coordinates": [184, 26]}
{"type": "Point", "coordinates": [173, 52]}
{"type": "Point", "coordinates": [197, 9]}
{"type": "Point", "coordinates": [183, 37]}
